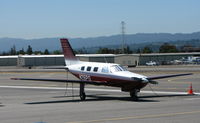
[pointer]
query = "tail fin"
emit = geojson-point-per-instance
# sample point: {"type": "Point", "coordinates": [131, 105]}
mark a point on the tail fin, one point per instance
{"type": "Point", "coordinates": [69, 55]}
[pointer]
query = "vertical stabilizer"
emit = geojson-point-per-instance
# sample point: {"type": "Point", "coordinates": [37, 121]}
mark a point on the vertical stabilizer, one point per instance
{"type": "Point", "coordinates": [69, 55]}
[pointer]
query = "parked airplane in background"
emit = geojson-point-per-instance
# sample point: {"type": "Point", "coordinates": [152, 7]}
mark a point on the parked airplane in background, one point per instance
{"type": "Point", "coordinates": [151, 63]}
{"type": "Point", "coordinates": [105, 74]}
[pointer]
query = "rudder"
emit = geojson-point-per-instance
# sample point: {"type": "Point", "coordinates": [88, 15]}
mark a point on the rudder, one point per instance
{"type": "Point", "coordinates": [69, 55]}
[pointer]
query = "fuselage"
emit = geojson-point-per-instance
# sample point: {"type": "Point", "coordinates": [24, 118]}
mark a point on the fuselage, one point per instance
{"type": "Point", "coordinates": [113, 74]}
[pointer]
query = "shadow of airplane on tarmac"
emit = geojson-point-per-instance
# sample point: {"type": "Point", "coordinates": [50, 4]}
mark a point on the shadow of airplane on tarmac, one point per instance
{"type": "Point", "coordinates": [102, 97]}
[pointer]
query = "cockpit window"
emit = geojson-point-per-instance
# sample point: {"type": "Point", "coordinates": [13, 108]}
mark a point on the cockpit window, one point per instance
{"type": "Point", "coordinates": [117, 68]}
{"type": "Point", "coordinates": [124, 69]}
{"type": "Point", "coordinates": [105, 70]}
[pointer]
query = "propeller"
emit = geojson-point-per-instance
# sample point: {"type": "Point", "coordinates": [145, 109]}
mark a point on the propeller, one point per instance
{"type": "Point", "coordinates": [153, 82]}
{"type": "Point", "coordinates": [137, 79]}
{"type": "Point", "coordinates": [144, 80]}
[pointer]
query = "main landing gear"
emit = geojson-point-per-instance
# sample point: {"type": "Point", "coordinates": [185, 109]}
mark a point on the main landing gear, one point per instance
{"type": "Point", "coordinates": [82, 91]}
{"type": "Point", "coordinates": [134, 95]}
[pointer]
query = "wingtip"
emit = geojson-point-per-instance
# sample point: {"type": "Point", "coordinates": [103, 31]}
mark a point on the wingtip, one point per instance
{"type": "Point", "coordinates": [188, 74]}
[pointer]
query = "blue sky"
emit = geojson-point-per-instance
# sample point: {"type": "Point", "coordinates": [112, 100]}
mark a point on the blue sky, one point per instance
{"type": "Point", "coordinates": [92, 18]}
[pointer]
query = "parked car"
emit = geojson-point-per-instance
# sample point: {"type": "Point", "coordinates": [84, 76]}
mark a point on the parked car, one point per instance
{"type": "Point", "coordinates": [151, 63]}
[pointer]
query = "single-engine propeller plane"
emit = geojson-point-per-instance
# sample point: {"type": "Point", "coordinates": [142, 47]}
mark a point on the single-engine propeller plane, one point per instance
{"type": "Point", "coordinates": [105, 74]}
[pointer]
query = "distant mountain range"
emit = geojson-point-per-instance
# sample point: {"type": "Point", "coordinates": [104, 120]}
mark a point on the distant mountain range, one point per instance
{"type": "Point", "coordinates": [115, 40]}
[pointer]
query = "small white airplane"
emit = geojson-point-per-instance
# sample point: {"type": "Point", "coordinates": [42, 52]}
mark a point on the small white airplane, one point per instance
{"type": "Point", "coordinates": [151, 63]}
{"type": "Point", "coordinates": [105, 74]}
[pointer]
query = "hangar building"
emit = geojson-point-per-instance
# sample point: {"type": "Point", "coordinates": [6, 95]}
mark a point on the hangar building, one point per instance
{"type": "Point", "coordinates": [8, 60]}
{"type": "Point", "coordinates": [40, 60]}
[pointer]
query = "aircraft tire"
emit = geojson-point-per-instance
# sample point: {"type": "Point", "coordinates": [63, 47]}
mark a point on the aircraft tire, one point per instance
{"type": "Point", "coordinates": [82, 96]}
{"type": "Point", "coordinates": [133, 95]}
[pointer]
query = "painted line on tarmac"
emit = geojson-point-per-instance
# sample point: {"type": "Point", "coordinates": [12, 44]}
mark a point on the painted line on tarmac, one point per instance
{"type": "Point", "coordinates": [92, 89]}
{"type": "Point", "coordinates": [193, 99]}
{"type": "Point", "coordinates": [138, 117]}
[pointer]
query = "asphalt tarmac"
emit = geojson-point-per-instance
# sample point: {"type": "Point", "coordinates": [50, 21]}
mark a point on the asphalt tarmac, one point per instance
{"type": "Point", "coordinates": [50, 102]}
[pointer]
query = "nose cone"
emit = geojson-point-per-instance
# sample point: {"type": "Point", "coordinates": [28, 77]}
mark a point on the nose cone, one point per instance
{"type": "Point", "coordinates": [145, 80]}
{"type": "Point", "coordinates": [140, 79]}
{"type": "Point", "coordinates": [133, 76]}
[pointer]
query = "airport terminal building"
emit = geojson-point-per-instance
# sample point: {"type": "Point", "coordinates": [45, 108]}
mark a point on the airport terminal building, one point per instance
{"type": "Point", "coordinates": [123, 59]}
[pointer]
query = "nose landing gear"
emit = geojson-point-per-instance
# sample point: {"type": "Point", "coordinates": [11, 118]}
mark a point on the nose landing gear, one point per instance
{"type": "Point", "coordinates": [134, 94]}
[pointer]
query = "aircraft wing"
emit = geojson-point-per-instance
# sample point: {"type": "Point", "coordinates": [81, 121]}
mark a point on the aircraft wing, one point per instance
{"type": "Point", "coordinates": [168, 76]}
{"type": "Point", "coordinates": [64, 81]}
{"type": "Point", "coordinates": [151, 79]}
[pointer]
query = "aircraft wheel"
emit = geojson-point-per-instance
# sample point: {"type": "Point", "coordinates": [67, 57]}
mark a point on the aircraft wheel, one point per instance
{"type": "Point", "coordinates": [82, 96]}
{"type": "Point", "coordinates": [133, 95]}
{"type": "Point", "coordinates": [82, 91]}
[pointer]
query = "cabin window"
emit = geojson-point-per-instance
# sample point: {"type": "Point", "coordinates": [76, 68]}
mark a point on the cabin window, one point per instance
{"type": "Point", "coordinates": [105, 70]}
{"type": "Point", "coordinates": [95, 69]}
{"type": "Point", "coordinates": [83, 68]}
{"type": "Point", "coordinates": [89, 68]}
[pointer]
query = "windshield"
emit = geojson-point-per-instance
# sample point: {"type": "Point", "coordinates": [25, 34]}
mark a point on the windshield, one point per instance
{"type": "Point", "coordinates": [105, 70]}
{"type": "Point", "coordinates": [117, 68]}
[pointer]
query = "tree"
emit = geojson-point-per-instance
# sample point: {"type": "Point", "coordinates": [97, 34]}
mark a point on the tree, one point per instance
{"type": "Point", "coordinates": [103, 51]}
{"type": "Point", "coordinates": [13, 50]}
{"type": "Point", "coordinates": [57, 52]}
{"type": "Point", "coordinates": [168, 48]}
{"type": "Point", "coordinates": [5, 53]}
{"type": "Point", "coordinates": [29, 50]}
{"type": "Point", "coordinates": [81, 51]}
{"type": "Point", "coordinates": [46, 52]}
{"type": "Point", "coordinates": [21, 51]}
{"type": "Point", "coordinates": [138, 50]}
{"type": "Point", "coordinates": [146, 50]}
{"type": "Point", "coordinates": [113, 51]}
{"type": "Point", "coordinates": [38, 52]}
{"type": "Point", "coordinates": [127, 50]}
